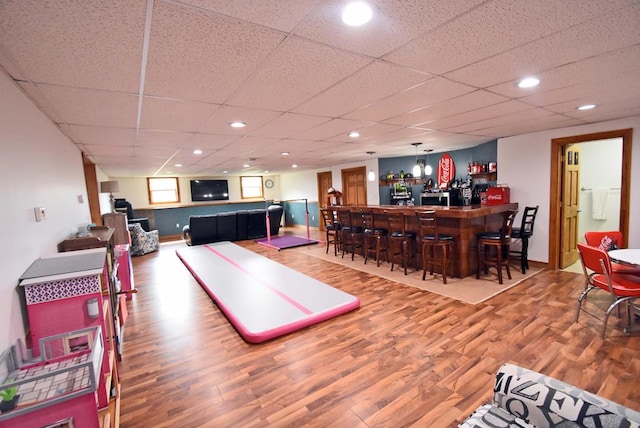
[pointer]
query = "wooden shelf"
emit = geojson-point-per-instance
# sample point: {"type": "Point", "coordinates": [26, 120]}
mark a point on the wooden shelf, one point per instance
{"type": "Point", "coordinates": [491, 176]}
{"type": "Point", "coordinates": [400, 180]}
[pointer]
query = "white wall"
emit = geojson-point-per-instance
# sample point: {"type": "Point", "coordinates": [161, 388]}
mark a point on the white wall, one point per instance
{"type": "Point", "coordinates": [40, 168]}
{"type": "Point", "coordinates": [601, 166]}
{"type": "Point", "coordinates": [524, 162]}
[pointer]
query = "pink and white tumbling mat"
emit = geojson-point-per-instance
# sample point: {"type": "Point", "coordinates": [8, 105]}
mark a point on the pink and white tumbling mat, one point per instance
{"type": "Point", "coordinates": [261, 298]}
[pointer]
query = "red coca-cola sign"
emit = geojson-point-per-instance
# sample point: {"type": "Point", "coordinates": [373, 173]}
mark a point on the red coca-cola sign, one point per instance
{"type": "Point", "coordinates": [446, 170]}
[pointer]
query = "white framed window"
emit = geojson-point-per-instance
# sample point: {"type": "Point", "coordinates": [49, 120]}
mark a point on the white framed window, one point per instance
{"type": "Point", "coordinates": [163, 190]}
{"type": "Point", "coordinates": [251, 187]}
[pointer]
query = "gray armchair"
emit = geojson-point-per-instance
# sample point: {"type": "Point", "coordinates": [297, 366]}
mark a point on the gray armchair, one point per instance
{"type": "Point", "coordinates": [143, 242]}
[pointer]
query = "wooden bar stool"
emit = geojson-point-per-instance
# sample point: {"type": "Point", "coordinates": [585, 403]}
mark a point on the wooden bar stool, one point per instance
{"type": "Point", "coordinates": [375, 238]}
{"type": "Point", "coordinates": [431, 241]}
{"type": "Point", "coordinates": [350, 231]}
{"type": "Point", "coordinates": [493, 247]}
{"type": "Point", "coordinates": [400, 242]}
{"type": "Point", "coordinates": [332, 228]}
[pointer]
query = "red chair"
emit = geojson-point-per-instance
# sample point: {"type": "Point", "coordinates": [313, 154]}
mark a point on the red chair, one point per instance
{"type": "Point", "coordinates": [596, 266]}
{"type": "Point", "coordinates": [610, 240]}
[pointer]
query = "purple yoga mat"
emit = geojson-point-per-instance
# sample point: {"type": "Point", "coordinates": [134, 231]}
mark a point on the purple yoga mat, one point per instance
{"type": "Point", "coordinates": [287, 241]}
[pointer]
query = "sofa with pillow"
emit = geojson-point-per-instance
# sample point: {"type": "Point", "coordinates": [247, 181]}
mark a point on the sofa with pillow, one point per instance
{"type": "Point", "coordinates": [524, 398]}
{"type": "Point", "coordinates": [232, 225]}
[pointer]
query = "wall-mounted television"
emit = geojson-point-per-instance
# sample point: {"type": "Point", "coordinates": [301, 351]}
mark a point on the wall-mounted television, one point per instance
{"type": "Point", "coordinates": [209, 190]}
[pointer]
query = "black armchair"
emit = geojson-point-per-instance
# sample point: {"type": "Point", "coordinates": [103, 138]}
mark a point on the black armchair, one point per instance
{"type": "Point", "coordinates": [123, 206]}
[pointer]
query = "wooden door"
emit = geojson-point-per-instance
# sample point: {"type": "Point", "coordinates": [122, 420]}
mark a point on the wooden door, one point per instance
{"type": "Point", "coordinates": [570, 202]}
{"type": "Point", "coordinates": [354, 183]}
{"type": "Point", "coordinates": [91, 183]}
{"type": "Point", "coordinates": [325, 180]}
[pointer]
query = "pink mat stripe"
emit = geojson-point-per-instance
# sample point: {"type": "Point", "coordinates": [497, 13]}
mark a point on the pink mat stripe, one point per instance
{"type": "Point", "coordinates": [261, 281]}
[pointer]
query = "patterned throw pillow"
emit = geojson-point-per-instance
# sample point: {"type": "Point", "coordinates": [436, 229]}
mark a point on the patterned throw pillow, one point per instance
{"type": "Point", "coordinates": [608, 244]}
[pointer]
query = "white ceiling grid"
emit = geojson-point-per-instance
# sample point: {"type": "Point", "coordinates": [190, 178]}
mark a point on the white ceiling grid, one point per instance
{"type": "Point", "coordinates": [442, 73]}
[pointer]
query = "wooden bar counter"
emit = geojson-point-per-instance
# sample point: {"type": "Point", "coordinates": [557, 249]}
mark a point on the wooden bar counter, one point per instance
{"type": "Point", "coordinates": [463, 223]}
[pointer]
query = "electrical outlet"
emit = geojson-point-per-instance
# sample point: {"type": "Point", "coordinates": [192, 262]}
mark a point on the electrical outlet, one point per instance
{"type": "Point", "coordinates": [177, 225]}
{"type": "Point", "coordinates": [41, 214]}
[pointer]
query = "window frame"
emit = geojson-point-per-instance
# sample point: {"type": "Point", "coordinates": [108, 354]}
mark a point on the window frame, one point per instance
{"type": "Point", "coordinates": [242, 187]}
{"type": "Point", "coordinates": [150, 191]}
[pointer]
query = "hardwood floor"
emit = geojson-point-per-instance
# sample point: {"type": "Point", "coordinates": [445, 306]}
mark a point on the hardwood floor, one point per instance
{"type": "Point", "coordinates": [405, 358]}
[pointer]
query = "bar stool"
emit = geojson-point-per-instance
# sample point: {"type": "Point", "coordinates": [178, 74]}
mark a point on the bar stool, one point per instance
{"type": "Point", "coordinates": [523, 233]}
{"type": "Point", "coordinates": [400, 242]}
{"type": "Point", "coordinates": [431, 241]}
{"type": "Point", "coordinates": [499, 242]}
{"type": "Point", "coordinates": [375, 237]}
{"type": "Point", "coordinates": [350, 231]}
{"type": "Point", "coordinates": [332, 228]}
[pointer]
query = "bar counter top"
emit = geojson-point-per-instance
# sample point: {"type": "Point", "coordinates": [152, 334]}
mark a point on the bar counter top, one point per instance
{"type": "Point", "coordinates": [471, 211]}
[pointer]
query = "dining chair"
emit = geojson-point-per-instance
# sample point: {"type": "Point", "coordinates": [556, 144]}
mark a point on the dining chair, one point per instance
{"type": "Point", "coordinates": [431, 240]}
{"type": "Point", "coordinates": [610, 240]}
{"type": "Point", "coordinates": [523, 233]}
{"type": "Point", "coordinates": [493, 247]}
{"type": "Point", "coordinates": [400, 241]}
{"type": "Point", "coordinates": [331, 227]}
{"type": "Point", "coordinates": [597, 269]}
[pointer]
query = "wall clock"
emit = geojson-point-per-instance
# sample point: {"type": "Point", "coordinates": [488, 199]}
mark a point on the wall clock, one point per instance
{"type": "Point", "coordinates": [268, 183]}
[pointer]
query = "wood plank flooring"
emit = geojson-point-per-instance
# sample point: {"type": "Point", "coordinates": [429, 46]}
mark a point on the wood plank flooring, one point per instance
{"type": "Point", "coordinates": [405, 358]}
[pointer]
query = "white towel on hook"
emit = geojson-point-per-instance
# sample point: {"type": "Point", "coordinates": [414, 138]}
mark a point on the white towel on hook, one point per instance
{"type": "Point", "coordinates": [599, 206]}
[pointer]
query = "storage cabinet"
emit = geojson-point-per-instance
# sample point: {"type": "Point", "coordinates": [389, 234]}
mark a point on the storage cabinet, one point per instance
{"type": "Point", "coordinates": [76, 290]}
{"type": "Point", "coordinates": [119, 223]}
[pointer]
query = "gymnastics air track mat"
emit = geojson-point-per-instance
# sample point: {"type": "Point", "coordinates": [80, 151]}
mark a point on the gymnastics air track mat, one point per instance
{"type": "Point", "coordinates": [261, 298]}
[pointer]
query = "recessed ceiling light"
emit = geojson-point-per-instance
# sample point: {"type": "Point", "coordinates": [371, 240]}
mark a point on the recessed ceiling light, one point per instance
{"type": "Point", "coordinates": [225, 172]}
{"type": "Point", "coordinates": [529, 82]}
{"type": "Point", "coordinates": [178, 165]}
{"type": "Point", "coordinates": [587, 107]}
{"type": "Point", "coordinates": [238, 124]}
{"type": "Point", "coordinates": [285, 153]}
{"type": "Point", "coordinates": [246, 165]}
{"type": "Point", "coordinates": [356, 13]}
{"type": "Point", "coordinates": [294, 165]}
{"type": "Point", "coordinates": [354, 134]}
{"type": "Point", "coordinates": [197, 152]}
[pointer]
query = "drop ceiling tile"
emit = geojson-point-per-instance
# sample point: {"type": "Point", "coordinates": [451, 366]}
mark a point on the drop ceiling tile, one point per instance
{"type": "Point", "coordinates": [427, 93]}
{"type": "Point", "coordinates": [393, 24]}
{"type": "Point", "coordinates": [203, 56]}
{"type": "Point", "coordinates": [91, 107]}
{"type": "Point", "coordinates": [109, 150]}
{"type": "Point", "coordinates": [297, 70]}
{"type": "Point", "coordinates": [494, 27]}
{"type": "Point", "coordinates": [362, 88]}
{"type": "Point", "coordinates": [289, 124]}
{"type": "Point", "coordinates": [210, 141]}
{"type": "Point", "coordinates": [481, 114]}
{"type": "Point", "coordinates": [598, 36]}
{"type": "Point", "coordinates": [502, 120]}
{"type": "Point", "coordinates": [174, 115]}
{"type": "Point", "coordinates": [100, 135]}
{"type": "Point", "coordinates": [164, 139]}
{"type": "Point", "coordinates": [421, 118]}
{"type": "Point", "coordinates": [254, 118]}
{"type": "Point", "coordinates": [339, 128]}
{"type": "Point", "coordinates": [89, 44]}
{"type": "Point", "coordinates": [368, 133]}
{"type": "Point", "coordinates": [283, 15]}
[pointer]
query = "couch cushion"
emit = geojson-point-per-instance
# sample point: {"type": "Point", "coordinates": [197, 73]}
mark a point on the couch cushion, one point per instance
{"type": "Point", "coordinates": [257, 224]}
{"type": "Point", "coordinates": [242, 219]}
{"type": "Point", "coordinates": [203, 229]}
{"type": "Point", "coordinates": [227, 226]}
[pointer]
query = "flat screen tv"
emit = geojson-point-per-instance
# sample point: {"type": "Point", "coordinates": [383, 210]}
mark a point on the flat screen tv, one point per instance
{"type": "Point", "coordinates": [209, 190]}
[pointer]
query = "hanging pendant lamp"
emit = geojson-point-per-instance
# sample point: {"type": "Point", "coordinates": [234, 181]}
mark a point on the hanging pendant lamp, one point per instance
{"type": "Point", "coordinates": [427, 168]}
{"type": "Point", "coordinates": [417, 171]}
{"type": "Point", "coordinates": [372, 175]}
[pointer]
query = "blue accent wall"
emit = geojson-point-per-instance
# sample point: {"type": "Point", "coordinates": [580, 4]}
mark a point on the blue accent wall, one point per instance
{"type": "Point", "coordinates": [487, 152]}
{"type": "Point", "coordinates": [294, 213]}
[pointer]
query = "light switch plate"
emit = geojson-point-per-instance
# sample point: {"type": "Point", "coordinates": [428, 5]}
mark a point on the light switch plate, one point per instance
{"type": "Point", "coordinates": [41, 214]}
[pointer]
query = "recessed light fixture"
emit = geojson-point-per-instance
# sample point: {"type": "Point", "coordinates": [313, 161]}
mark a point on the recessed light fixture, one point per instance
{"type": "Point", "coordinates": [225, 172]}
{"type": "Point", "coordinates": [238, 124]}
{"type": "Point", "coordinates": [285, 153]}
{"type": "Point", "coordinates": [356, 13]}
{"type": "Point", "coordinates": [294, 165]}
{"type": "Point", "coordinates": [587, 107]}
{"type": "Point", "coordinates": [354, 134]}
{"type": "Point", "coordinates": [197, 152]}
{"type": "Point", "coordinates": [266, 171]}
{"type": "Point", "coordinates": [178, 165]}
{"type": "Point", "coordinates": [529, 82]}
{"type": "Point", "coordinates": [246, 165]}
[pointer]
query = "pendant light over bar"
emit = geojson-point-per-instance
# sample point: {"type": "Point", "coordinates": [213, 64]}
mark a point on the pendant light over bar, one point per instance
{"type": "Point", "coordinates": [372, 175]}
{"type": "Point", "coordinates": [417, 171]}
